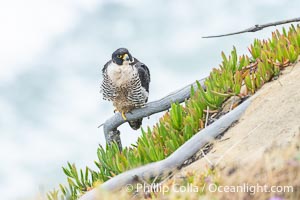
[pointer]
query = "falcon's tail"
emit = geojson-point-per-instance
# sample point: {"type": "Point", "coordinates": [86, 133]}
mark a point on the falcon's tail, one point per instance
{"type": "Point", "coordinates": [136, 124]}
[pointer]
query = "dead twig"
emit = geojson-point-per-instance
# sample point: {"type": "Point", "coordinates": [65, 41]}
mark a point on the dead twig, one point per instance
{"type": "Point", "coordinates": [211, 111]}
{"type": "Point", "coordinates": [257, 27]}
{"type": "Point", "coordinates": [250, 66]}
{"type": "Point", "coordinates": [207, 114]}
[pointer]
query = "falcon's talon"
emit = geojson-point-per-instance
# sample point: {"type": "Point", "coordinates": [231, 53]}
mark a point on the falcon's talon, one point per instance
{"type": "Point", "coordinates": [123, 116]}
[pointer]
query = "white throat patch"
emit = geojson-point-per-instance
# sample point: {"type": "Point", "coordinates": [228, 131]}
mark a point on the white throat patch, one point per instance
{"type": "Point", "coordinates": [120, 74]}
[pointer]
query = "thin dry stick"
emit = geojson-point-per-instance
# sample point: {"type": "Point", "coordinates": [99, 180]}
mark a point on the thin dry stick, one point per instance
{"type": "Point", "coordinates": [205, 157]}
{"type": "Point", "coordinates": [235, 144]}
{"type": "Point", "coordinates": [154, 186]}
{"type": "Point", "coordinates": [231, 104]}
{"type": "Point", "coordinates": [207, 114]}
{"type": "Point", "coordinates": [279, 82]}
{"type": "Point", "coordinates": [257, 27]}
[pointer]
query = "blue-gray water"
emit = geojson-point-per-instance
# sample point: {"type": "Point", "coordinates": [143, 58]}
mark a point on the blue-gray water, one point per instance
{"type": "Point", "coordinates": [52, 53]}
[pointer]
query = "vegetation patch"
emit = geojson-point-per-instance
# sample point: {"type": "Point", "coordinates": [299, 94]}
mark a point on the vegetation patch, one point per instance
{"type": "Point", "coordinates": [238, 76]}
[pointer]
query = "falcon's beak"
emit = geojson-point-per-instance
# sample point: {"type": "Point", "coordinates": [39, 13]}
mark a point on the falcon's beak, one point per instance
{"type": "Point", "coordinates": [126, 57]}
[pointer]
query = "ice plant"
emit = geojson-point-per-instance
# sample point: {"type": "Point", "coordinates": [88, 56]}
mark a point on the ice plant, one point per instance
{"type": "Point", "coordinates": [178, 125]}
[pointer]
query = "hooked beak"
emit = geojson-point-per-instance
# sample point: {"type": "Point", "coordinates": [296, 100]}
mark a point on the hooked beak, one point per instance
{"type": "Point", "coordinates": [126, 57]}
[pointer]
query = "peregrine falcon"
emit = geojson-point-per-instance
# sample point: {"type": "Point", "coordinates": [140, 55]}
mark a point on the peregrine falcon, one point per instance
{"type": "Point", "coordinates": [125, 83]}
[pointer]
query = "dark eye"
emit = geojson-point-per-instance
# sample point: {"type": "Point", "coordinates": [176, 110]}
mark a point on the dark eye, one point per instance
{"type": "Point", "coordinates": [119, 56]}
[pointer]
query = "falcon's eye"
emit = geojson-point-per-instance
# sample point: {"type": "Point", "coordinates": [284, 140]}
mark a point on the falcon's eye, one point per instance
{"type": "Point", "coordinates": [119, 56]}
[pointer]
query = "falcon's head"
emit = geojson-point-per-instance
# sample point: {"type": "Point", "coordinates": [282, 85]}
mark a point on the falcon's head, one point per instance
{"type": "Point", "coordinates": [121, 56]}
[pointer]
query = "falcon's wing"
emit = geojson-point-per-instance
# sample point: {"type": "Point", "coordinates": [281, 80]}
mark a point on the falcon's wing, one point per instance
{"type": "Point", "coordinates": [107, 87]}
{"type": "Point", "coordinates": [144, 73]}
{"type": "Point", "coordinates": [105, 66]}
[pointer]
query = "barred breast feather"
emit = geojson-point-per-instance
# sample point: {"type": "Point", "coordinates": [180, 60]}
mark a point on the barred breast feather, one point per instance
{"type": "Point", "coordinates": [127, 86]}
{"type": "Point", "coordinates": [108, 89]}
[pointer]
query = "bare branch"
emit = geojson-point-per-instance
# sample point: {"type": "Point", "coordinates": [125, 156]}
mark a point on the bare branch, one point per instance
{"type": "Point", "coordinates": [115, 121]}
{"type": "Point", "coordinates": [176, 160]}
{"type": "Point", "coordinates": [256, 27]}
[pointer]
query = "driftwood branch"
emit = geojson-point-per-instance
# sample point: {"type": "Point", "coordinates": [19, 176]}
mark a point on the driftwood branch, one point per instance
{"type": "Point", "coordinates": [175, 160]}
{"type": "Point", "coordinates": [110, 125]}
{"type": "Point", "coordinates": [256, 27]}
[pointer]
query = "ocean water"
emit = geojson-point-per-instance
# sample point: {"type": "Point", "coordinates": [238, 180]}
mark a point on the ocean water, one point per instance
{"type": "Point", "coordinates": [52, 53]}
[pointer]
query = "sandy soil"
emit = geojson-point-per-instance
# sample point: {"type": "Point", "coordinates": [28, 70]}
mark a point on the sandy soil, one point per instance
{"type": "Point", "coordinates": [273, 117]}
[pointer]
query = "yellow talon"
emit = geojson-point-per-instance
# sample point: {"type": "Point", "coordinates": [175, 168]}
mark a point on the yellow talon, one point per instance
{"type": "Point", "coordinates": [123, 116]}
